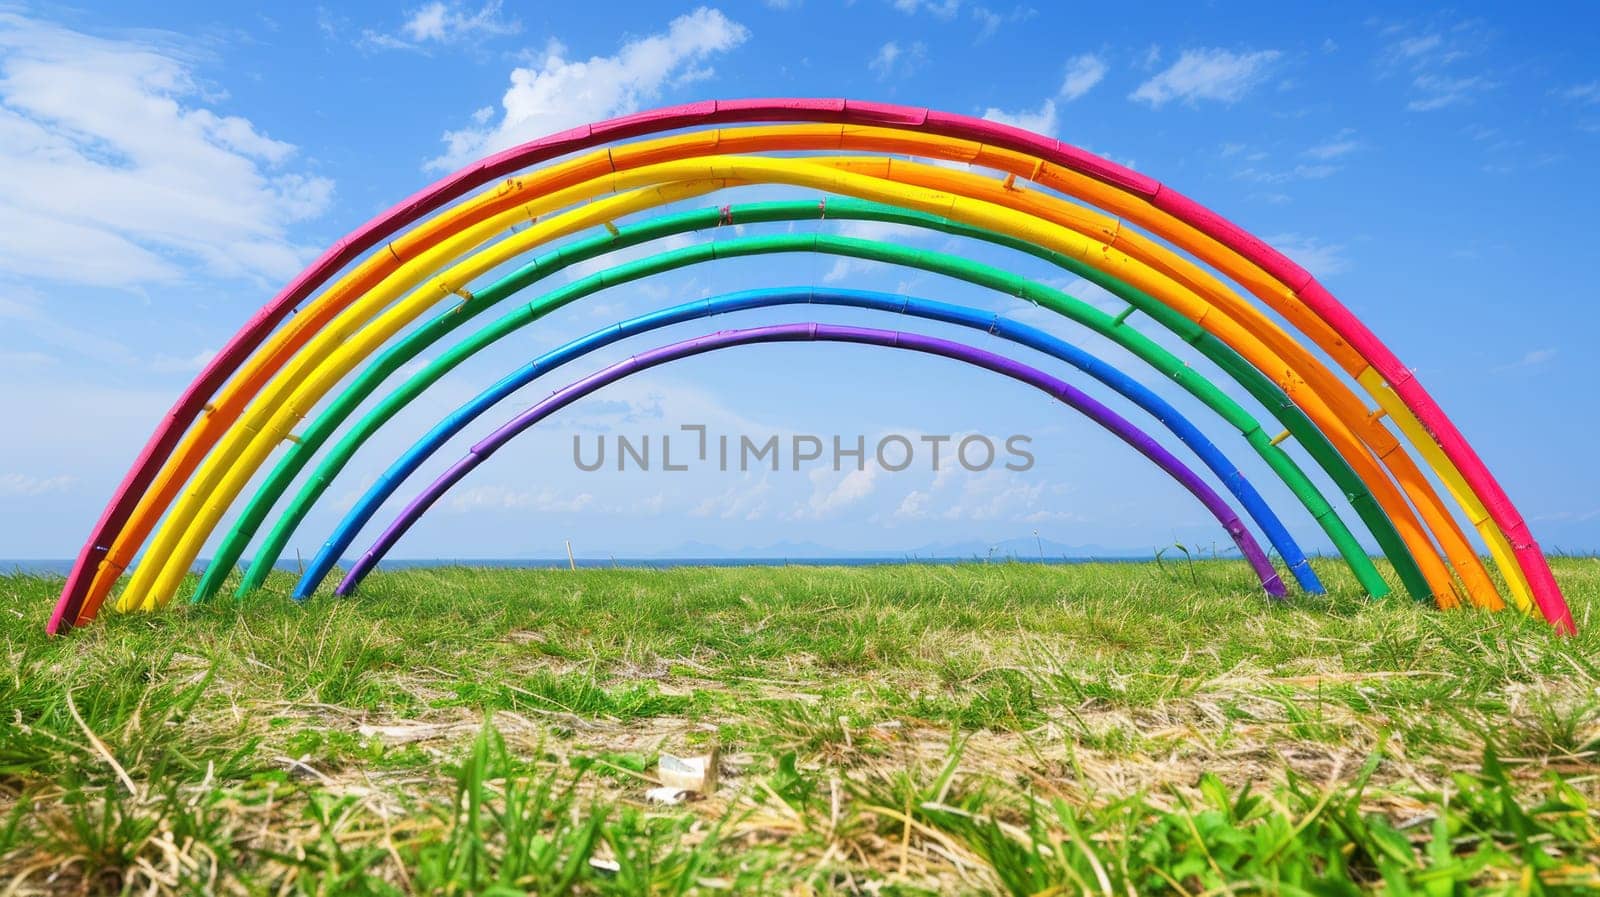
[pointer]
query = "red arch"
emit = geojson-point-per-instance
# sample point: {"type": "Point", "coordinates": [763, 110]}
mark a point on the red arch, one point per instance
{"type": "Point", "coordinates": [711, 113]}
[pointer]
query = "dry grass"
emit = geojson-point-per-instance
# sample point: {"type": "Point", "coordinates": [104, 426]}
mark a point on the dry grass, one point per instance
{"type": "Point", "coordinates": [1013, 728]}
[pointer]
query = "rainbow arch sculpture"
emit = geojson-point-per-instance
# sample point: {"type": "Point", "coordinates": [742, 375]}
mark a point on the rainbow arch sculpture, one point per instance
{"type": "Point", "coordinates": [1058, 389]}
{"type": "Point", "coordinates": [996, 325]}
{"type": "Point", "coordinates": [1191, 274]}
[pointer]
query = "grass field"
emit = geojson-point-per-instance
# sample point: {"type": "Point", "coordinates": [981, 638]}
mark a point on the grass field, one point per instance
{"type": "Point", "coordinates": [1012, 728]}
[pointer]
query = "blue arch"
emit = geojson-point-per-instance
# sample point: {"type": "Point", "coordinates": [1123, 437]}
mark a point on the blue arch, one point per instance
{"type": "Point", "coordinates": [1230, 475]}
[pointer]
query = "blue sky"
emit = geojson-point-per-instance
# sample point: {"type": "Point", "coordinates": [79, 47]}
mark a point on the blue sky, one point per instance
{"type": "Point", "coordinates": [164, 170]}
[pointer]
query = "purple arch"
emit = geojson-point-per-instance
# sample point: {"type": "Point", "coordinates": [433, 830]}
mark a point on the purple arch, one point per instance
{"type": "Point", "coordinates": [76, 600]}
{"type": "Point", "coordinates": [776, 333]}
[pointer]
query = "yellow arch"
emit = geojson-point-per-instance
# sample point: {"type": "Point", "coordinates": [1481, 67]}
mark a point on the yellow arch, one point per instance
{"type": "Point", "coordinates": [822, 136]}
{"type": "Point", "coordinates": [330, 357]}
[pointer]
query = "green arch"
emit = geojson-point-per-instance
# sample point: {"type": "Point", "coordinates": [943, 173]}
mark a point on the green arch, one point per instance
{"type": "Point", "coordinates": [1259, 386]}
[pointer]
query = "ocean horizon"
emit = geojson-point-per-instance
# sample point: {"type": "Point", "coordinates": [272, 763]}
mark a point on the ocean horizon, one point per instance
{"type": "Point", "coordinates": [61, 567]}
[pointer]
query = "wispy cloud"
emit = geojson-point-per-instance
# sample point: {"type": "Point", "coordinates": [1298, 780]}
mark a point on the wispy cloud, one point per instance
{"type": "Point", "coordinates": [1418, 47]}
{"type": "Point", "coordinates": [1435, 55]}
{"type": "Point", "coordinates": [27, 311]}
{"type": "Point", "coordinates": [1322, 259]}
{"type": "Point", "coordinates": [18, 484]}
{"type": "Point", "coordinates": [506, 498]}
{"type": "Point", "coordinates": [1323, 161]}
{"type": "Point", "coordinates": [439, 23]}
{"type": "Point", "coordinates": [1569, 516]}
{"type": "Point", "coordinates": [1441, 91]}
{"type": "Point", "coordinates": [1342, 144]}
{"type": "Point", "coordinates": [989, 21]}
{"type": "Point", "coordinates": [939, 9]}
{"type": "Point", "coordinates": [1040, 121]}
{"type": "Point", "coordinates": [175, 365]}
{"type": "Point", "coordinates": [746, 501]}
{"type": "Point", "coordinates": [1083, 73]}
{"type": "Point", "coordinates": [1433, 45]}
{"type": "Point", "coordinates": [1532, 359]}
{"type": "Point", "coordinates": [115, 170]}
{"type": "Point", "coordinates": [1207, 74]}
{"type": "Point", "coordinates": [558, 93]}
{"type": "Point", "coordinates": [444, 22]}
{"type": "Point", "coordinates": [1299, 172]}
{"type": "Point", "coordinates": [833, 492]}
{"type": "Point", "coordinates": [1586, 94]}
{"type": "Point", "coordinates": [894, 61]}
{"type": "Point", "coordinates": [992, 495]}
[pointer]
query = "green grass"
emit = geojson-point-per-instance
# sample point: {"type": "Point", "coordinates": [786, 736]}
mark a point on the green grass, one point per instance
{"type": "Point", "coordinates": [1010, 728]}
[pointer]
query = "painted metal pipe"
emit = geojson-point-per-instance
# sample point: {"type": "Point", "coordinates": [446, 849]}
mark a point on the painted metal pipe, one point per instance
{"type": "Point", "coordinates": [984, 322]}
{"type": "Point", "coordinates": [363, 328]}
{"type": "Point", "coordinates": [1387, 373]}
{"type": "Point", "coordinates": [1116, 330]}
{"type": "Point", "coordinates": [811, 332]}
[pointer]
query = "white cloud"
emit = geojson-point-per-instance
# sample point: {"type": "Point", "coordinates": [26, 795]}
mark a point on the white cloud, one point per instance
{"type": "Point", "coordinates": [1321, 259]}
{"type": "Point", "coordinates": [1433, 56]}
{"type": "Point", "coordinates": [1207, 74]}
{"type": "Point", "coordinates": [26, 311]}
{"type": "Point", "coordinates": [1583, 93]}
{"type": "Point", "coordinates": [377, 40]}
{"type": "Point", "coordinates": [508, 499]}
{"type": "Point", "coordinates": [1039, 121]}
{"type": "Point", "coordinates": [192, 364]}
{"type": "Point", "coordinates": [1416, 47]}
{"type": "Point", "coordinates": [442, 23]}
{"type": "Point", "coordinates": [1300, 172]}
{"type": "Point", "coordinates": [446, 22]}
{"type": "Point", "coordinates": [14, 361]}
{"type": "Point", "coordinates": [939, 9]}
{"type": "Point", "coordinates": [1569, 516]}
{"type": "Point", "coordinates": [558, 93]}
{"type": "Point", "coordinates": [1432, 46]}
{"type": "Point", "coordinates": [989, 21]}
{"type": "Point", "coordinates": [1441, 91]}
{"type": "Point", "coordinates": [1342, 144]}
{"type": "Point", "coordinates": [1324, 162]}
{"type": "Point", "coordinates": [743, 502]}
{"type": "Point", "coordinates": [1532, 359]}
{"type": "Point", "coordinates": [844, 268]}
{"type": "Point", "coordinates": [987, 496]}
{"type": "Point", "coordinates": [831, 493]}
{"type": "Point", "coordinates": [892, 60]}
{"type": "Point", "coordinates": [1083, 73]}
{"type": "Point", "coordinates": [114, 173]}
{"type": "Point", "coordinates": [18, 484]}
